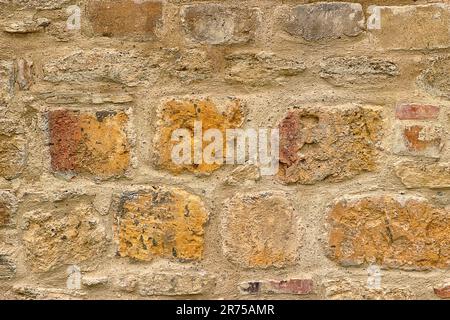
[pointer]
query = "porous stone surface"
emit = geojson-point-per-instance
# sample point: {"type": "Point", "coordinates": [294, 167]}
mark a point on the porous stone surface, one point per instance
{"type": "Point", "coordinates": [184, 114]}
{"type": "Point", "coordinates": [59, 232]}
{"type": "Point", "coordinates": [94, 144]}
{"type": "Point", "coordinates": [260, 230]}
{"type": "Point", "coordinates": [163, 222]}
{"type": "Point", "coordinates": [397, 232]}
{"type": "Point", "coordinates": [127, 138]}
{"type": "Point", "coordinates": [333, 144]}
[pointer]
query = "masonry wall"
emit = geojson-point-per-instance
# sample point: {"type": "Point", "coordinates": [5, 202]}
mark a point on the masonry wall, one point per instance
{"type": "Point", "coordinates": [91, 205]}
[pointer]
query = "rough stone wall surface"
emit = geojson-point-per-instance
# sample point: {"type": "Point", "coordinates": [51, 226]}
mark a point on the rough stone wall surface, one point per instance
{"type": "Point", "coordinates": [91, 206]}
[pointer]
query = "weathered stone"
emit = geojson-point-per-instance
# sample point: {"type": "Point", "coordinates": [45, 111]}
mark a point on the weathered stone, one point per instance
{"type": "Point", "coordinates": [182, 114]}
{"type": "Point", "coordinates": [67, 97]}
{"type": "Point", "coordinates": [291, 286]}
{"type": "Point", "coordinates": [424, 140]}
{"type": "Point", "coordinates": [260, 69]}
{"type": "Point", "coordinates": [47, 293]}
{"type": "Point", "coordinates": [331, 144]}
{"type": "Point", "coordinates": [213, 23]}
{"type": "Point", "coordinates": [162, 222]}
{"type": "Point", "coordinates": [126, 283]}
{"type": "Point", "coordinates": [260, 230]}
{"type": "Point", "coordinates": [7, 267]}
{"type": "Point", "coordinates": [243, 174]}
{"type": "Point", "coordinates": [93, 281]}
{"type": "Point", "coordinates": [8, 207]}
{"type": "Point", "coordinates": [175, 283]}
{"type": "Point", "coordinates": [102, 65]}
{"type": "Point", "coordinates": [26, 26]}
{"type": "Point", "coordinates": [61, 232]}
{"type": "Point", "coordinates": [424, 175]}
{"type": "Point", "coordinates": [14, 74]}
{"type": "Point", "coordinates": [89, 143]}
{"type": "Point", "coordinates": [188, 66]}
{"type": "Point", "coordinates": [7, 80]}
{"type": "Point", "coordinates": [342, 289]}
{"type": "Point", "coordinates": [412, 27]}
{"type": "Point", "coordinates": [124, 18]}
{"type": "Point", "coordinates": [416, 112]}
{"type": "Point", "coordinates": [359, 70]}
{"type": "Point", "coordinates": [40, 4]}
{"type": "Point", "coordinates": [322, 21]}
{"type": "Point", "coordinates": [402, 232]}
{"type": "Point", "coordinates": [12, 150]}
{"type": "Point", "coordinates": [24, 73]}
{"type": "Point", "coordinates": [443, 292]}
{"type": "Point", "coordinates": [435, 78]}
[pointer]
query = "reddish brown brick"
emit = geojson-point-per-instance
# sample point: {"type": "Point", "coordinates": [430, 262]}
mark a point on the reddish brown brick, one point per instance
{"type": "Point", "coordinates": [443, 292]}
{"type": "Point", "coordinates": [120, 18]}
{"type": "Point", "coordinates": [418, 140]}
{"type": "Point", "coordinates": [416, 112]}
{"type": "Point", "coordinates": [89, 143]}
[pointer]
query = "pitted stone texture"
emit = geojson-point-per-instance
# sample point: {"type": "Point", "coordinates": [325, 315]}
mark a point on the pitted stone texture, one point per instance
{"type": "Point", "coordinates": [8, 207]}
{"type": "Point", "coordinates": [111, 66]}
{"type": "Point", "coordinates": [413, 27]}
{"type": "Point", "coordinates": [163, 222]}
{"type": "Point", "coordinates": [322, 21]}
{"type": "Point", "coordinates": [181, 114]}
{"type": "Point", "coordinates": [40, 4]}
{"type": "Point", "coordinates": [89, 143]}
{"type": "Point", "coordinates": [343, 289]}
{"type": "Point", "coordinates": [330, 144]}
{"type": "Point", "coordinates": [61, 232]}
{"type": "Point", "coordinates": [260, 230]}
{"type": "Point", "coordinates": [213, 23]}
{"type": "Point", "coordinates": [13, 147]}
{"type": "Point", "coordinates": [175, 284]}
{"type": "Point", "coordinates": [422, 140]}
{"type": "Point", "coordinates": [6, 80]}
{"type": "Point", "coordinates": [124, 18]}
{"type": "Point", "coordinates": [399, 232]}
{"type": "Point", "coordinates": [424, 175]}
{"type": "Point", "coordinates": [26, 26]}
{"type": "Point", "coordinates": [188, 66]}
{"type": "Point", "coordinates": [435, 78]}
{"type": "Point", "coordinates": [260, 69]}
{"type": "Point", "coordinates": [359, 70]}
{"type": "Point", "coordinates": [7, 266]}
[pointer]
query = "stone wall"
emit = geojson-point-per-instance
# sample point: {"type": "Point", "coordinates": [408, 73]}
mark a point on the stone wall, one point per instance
{"type": "Point", "coordinates": [91, 205]}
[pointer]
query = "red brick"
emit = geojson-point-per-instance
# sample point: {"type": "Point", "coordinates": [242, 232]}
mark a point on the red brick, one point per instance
{"type": "Point", "coordinates": [89, 143]}
{"type": "Point", "coordinates": [420, 140]}
{"type": "Point", "coordinates": [443, 292]}
{"type": "Point", "coordinates": [416, 112]}
{"type": "Point", "coordinates": [121, 18]}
